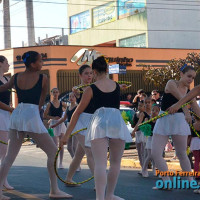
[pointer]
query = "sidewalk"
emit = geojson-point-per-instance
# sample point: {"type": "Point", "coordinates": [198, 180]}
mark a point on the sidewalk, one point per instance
{"type": "Point", "coordinates": [130, 160]}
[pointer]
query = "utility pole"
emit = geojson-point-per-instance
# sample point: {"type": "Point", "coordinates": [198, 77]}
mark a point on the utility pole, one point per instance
{"type": "Point", "coordinates": [6, 24]}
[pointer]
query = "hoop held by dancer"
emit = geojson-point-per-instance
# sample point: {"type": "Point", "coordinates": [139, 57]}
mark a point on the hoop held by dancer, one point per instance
{"type": "Point", "coordinates": [31, 90]}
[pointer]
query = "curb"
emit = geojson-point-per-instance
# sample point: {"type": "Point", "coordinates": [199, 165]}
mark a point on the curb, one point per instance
{"type": "Point", "coordinates": [129, 163]}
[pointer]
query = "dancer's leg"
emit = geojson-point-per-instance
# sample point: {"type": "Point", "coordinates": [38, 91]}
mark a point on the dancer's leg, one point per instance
{"type": "Point", "coordinates": [99, 150]}
{"type": "Point", "coordinates": [74, 144]}
{"type": "Point", "coordinates": [140, 152]}
{"type": "Point", "coordinates": [76, 161]}
{"type": "Point", "coordinates": [158, 145]}
{"type": "Point", "coordinates": [61, 152]}
{"type": "Point", "coordinates": [3, 150]}
{"type": "Point", "coordinates": [14, 146]}
{"type": "Point", "coordinates": [56, 141]}
{"type": "Point", "coordinates": [70, 147]}
{"type": "Point", "coordinates": [116, 149]}
{"type": "Point", "coordinates": [90, 160]}
{"type": "Point", "coordinates": [146, 163]}
{"type": "Point", "coordinates": [180, 144]}
{"type": "Point", "coordinates": [48, 146]}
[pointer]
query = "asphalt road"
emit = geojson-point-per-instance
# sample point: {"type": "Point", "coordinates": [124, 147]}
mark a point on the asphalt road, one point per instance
{"type": "Point", "coordinates": [30, 178]}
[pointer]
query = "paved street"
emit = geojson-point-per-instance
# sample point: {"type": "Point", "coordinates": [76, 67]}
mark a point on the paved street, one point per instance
{"type": "Point", "coordinates": [30, 179]}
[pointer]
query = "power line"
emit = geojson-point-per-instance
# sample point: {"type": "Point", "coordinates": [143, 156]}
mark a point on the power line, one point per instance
{"type": "Point", "coordinates": [162, 30]}
{"type": "Point", "coordinates": [12, 5]}
{"type": "Point", "coordinates": [166, 4]}
{"type": "Point", "coordinates": [156, 8]}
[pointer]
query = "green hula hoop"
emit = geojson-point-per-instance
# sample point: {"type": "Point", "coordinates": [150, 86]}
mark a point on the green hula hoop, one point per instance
{"type": "Point", "coordinates": [55, 165]}
{"type": "Point", "coordinates": [161, 115]}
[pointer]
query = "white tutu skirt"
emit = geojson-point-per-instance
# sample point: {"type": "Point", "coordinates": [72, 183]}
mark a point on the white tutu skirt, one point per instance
{"type": "Point", "coordinates": [26, 117]}
{"type": "Point", "coordinates": [83, 122]}
{"type": "Point", "coordinates": [107, 122]}
{"type": "Point", "coordinates": [139, 137]}
{"type": "Point", "coordinates": [4, 120]}
{"type": "Point", "coordinates": [172, 125]}
{"type": "Point", "coordinates": [195, 144]}
{"type": "Point", "coordinates": [148, 143]}
{"type": "Point", "coordinates": [58, 130]}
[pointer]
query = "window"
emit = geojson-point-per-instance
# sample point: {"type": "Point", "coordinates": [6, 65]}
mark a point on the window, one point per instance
{"type": "Point", "coordinates": [135, 41]}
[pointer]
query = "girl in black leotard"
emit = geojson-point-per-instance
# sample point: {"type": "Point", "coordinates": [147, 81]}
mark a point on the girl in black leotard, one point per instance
{"type": "Point", "coordinates": [107, 128]}
{"type": "Point", "coordinates": [31, 90]}
{"type": "Point", "coordinates": [54, 111]}
{"type": "Point", "coordinates": [175, 125]}
{"type": "Point", "coordinates": [5, 111]}
{"type": "Point", "coordinates": [86, 75]}
{"type": "Point", "coordinates": [72, 144]}
{"type": "Point", "coordinates": [139, 137]}
{"type": "Point", "coordinates": [154, 112]}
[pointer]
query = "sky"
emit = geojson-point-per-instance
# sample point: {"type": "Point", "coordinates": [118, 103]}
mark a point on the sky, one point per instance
{"type": "Point", "coordinates": [45, 15]}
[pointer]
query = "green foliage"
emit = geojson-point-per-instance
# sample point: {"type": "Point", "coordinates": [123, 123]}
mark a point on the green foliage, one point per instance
{"type": "Point", "coordinates": [160, 76]}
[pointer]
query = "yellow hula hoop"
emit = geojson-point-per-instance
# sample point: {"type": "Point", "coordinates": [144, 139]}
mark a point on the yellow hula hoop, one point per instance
{"type": "Point", "coordinates": [161, 115]}
{"type": "Point", "coordinates": [129, 84]}
{"type": "Point", "coordinates": [195, 114]}
{"type": "Point", "coordinates": [55, 165]}
{"type": "Point", "coordinates": [2, 142]}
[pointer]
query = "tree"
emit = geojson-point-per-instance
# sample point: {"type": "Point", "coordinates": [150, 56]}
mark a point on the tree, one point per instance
{"type": "Point", "coordinates": [160, 76]}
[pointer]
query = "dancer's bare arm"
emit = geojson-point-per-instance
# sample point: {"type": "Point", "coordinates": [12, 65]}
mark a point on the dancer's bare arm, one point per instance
{"type": "Point", "coordinates": [87, 96]}
{"type": "Point", "coordinates": [172, 88]}
{"type": "Point", "coordinates": [4, 106]}
{"type": "Point", "coordinates": [8, 85]}
{"type": "Point", "coordinates": [141, 117]}
{"type": "Point", "coordinates": [60, 120]}
{"type": "Point", "coordinates": [189, 96]}
{"type": "Point", "coordinates": [44, 91]}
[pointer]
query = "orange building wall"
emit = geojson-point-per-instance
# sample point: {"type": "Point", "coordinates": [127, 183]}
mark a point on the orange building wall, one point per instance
{"type": "Point", "coordinates": [59, 57]}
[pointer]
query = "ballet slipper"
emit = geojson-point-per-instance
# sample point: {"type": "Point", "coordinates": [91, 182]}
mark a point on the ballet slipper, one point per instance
{"type": "Point", "coordinates": [70, 184]}
{"type": "Point", "coordinates": [61, 166]}
{"type": "Point", "coordinates": [8, 187]}
{"type": "Point", "coordinates": [2, 197]}
{"type": "Point", "coordinates": [60, 195]}
{"type": "Point", "coordinates": [164, 189]}
{"type": "Point", "coordinates": [140, 173]}
{"type": "Point", "coordinates": [197, 191]}
{"type": "Point", "coordinates": [145, 174]}
{"type": "Point", "coordinates": [114, 198]}
{"type": "Point", "coordinates": [78, 170]}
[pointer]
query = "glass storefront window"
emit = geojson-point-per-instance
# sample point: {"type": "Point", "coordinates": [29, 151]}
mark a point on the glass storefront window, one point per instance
{"type": "Point", "coordinates": [135, 41]}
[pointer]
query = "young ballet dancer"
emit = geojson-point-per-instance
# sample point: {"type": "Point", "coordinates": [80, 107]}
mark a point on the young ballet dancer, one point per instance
{"type": "Point", "coordinates": [107, 129]}
{"type": "Point", "coordinates": [5, 111]}
{"type": "Point", "coordinates": [72, 143]}
{"type": "Point", "coordinates": [175, 125]}
{"type": "Point", "coordinates": [31, 88]}
{"type": "Point", "coordinates": [86, 76]}
{"type": "Point", "coordinates": [139, 137]}
{"type": "Point", "coordinates": [154, 112]}
{"type": "Point", "coordinates": [54, 111]}
{"type": "Point", "coordinates": [142, 116]}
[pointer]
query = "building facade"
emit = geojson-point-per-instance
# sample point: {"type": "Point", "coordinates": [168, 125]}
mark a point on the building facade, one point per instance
{"type": "Point", "coordinates": [134, 23]}
{"type": "Point", "coordinates": [61, 63]}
